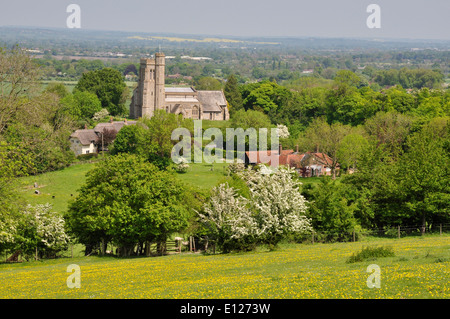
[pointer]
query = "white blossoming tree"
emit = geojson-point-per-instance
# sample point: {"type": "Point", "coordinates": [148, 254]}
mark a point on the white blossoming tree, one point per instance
{"type": "Point", "coordinates": [279, 208]}
{"type": "Point", "coordinates": [228, 219]}
{"type": "Point", "coordinates": [274, 210]}
{"type": "Point", "coordinates": [43, 230]}
{"type": "Point", "coordinates": [7, 233]}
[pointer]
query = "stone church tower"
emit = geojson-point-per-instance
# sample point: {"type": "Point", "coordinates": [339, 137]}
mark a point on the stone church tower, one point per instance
{"type": "Point", "coordinates": [150, 93]}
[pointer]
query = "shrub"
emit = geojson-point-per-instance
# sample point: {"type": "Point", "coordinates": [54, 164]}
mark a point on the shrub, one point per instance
{"type": "Point", "coordinates": [371, 253]}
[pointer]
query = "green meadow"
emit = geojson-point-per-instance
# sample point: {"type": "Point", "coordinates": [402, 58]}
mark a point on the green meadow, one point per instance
{"type": "Point", "coordinates": [419, 269]}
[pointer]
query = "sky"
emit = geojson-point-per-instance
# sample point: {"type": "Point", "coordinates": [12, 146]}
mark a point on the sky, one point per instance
{"type": "Point", "coordinates": [399, 19]}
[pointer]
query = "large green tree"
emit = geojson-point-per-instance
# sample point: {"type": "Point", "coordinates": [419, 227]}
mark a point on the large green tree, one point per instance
{"type": "Point", "coordinates": [129, 202]}
{"type": "Point", "coordinates": [109, 86]}
{"type": "Point", "coordinates": [424, 177]}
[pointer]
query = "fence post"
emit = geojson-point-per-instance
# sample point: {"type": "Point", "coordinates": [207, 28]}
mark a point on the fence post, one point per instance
{"type": "Point", "coordinates": [440, 229]}
{"type": "Point", "coordinates": [398, 231]}
{"type": "Point", "coordinates": [353, 235]}
{"type": "Point", "coordinates": [312, 237]}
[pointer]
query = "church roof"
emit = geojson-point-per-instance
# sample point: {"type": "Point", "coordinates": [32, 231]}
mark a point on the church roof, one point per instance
{"type": "Point", "coordinates": [178, 99]}
{"type": "Point", "coordinates": [178, 90]}
{"type": "Point", "coordinates": [212, 101]}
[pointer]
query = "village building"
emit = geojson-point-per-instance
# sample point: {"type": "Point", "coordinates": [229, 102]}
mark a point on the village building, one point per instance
{"type": "Point", "coordinates": [151, 94]}
{"type": "Point", "coordinates": [88, 141]}
{"type": "Point", "coordinates": [307, 164]}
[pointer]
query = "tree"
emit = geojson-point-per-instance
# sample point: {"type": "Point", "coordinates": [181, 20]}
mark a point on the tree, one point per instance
{"type": "Point", "coordinates": [424, 182]}
{"type": "Point", "coordinates": [129, 202]}
{"type": "Point", "coordinates": [279, 207]}
{"type": "Point", "coordinates": [390, 130]}
{"type": "Point", "coordinates": [82, 105]}
{"type": "Point", "coordinates": [347, 78]}
{"type": "Point", "coordinates": [106, 138]}
{"type": "Point", "coordinates": [57, 88]}
{"type": "Point", "coordinates": [331, 214]}
{"type": "Point", "coordinates": [233, 94]}
{"type": "Point", "coordinates": [18, 84]}
{"type": "Point", "coordinates": [109, 86]}
{"type": "Point", "coordinates": [156, 141]}
{"type": "Point", "coordinates": [274, 210]}
{"type": "Point", "coordinates": [228, 219]}
{"type": "Point", "coordinates": [208, 83]}
{"type": "Point", "coordinates": [250, 119]}
{"type": "Point", "coordinates": [345, 104]}
{"type": "Point", "coordinates": [43, 131]}
{"type": "Point", "coordinates": [351, 149]}
{"type": "Point", "coordinates": [41, 231]}
{"type": "Point", "coordinates": [127, 139]}
{"type": "Point", "coordinates": [266, 96]}
{"type": "Point", "coordinates": [14, 162]}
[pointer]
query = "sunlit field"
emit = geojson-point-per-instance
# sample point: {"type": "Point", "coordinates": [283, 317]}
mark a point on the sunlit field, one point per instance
{"type": "Point", "coordinates": [419, 269]}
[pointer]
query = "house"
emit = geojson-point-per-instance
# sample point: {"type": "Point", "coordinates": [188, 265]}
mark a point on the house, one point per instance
{"type": "Point", "coordinates": [316, 164]}
{"type": "Point", "coordinates": [83, 142]}
{"type": "Point", "coordinates": [307, 164]}
{"type": "Point", "coordinates": [86, 141]}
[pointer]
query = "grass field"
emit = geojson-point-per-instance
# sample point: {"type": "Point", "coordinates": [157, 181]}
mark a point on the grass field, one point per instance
{"type": "Point", "coordinates": [60, 184]}
{"type": "Point", "coordinates": [65, 183]}
{"type": "Point", "coordinates": [420, 269]}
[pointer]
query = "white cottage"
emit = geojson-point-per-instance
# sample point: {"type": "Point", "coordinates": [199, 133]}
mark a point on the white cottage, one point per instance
{"type": "Point", "coordinates": [83, 142]}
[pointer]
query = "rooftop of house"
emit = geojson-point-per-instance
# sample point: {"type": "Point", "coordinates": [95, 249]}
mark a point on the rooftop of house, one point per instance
{"type": "Point", "coordinates": [85, 136]}
{"type": "Point", "coordinates": [291, 157]}
{"type": "Point", "coordinates": [112, 125]}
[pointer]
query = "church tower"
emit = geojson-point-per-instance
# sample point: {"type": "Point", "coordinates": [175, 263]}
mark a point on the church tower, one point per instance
{"type": "Point", "coordinates": [150, 93]}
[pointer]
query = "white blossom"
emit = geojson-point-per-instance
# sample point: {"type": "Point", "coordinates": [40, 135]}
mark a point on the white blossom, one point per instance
{"type": "Point", "coordinates": [275, 208]}
{"type": "Point", "coordinates": [283, 131]}
{"type": "Point", "coordinates": [50, 226]}
{"type": "Point", "coordinates": [228, 213]}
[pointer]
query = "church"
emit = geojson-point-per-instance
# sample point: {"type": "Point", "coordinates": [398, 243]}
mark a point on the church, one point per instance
{"type": "Point", "coordinates": [151, 94]}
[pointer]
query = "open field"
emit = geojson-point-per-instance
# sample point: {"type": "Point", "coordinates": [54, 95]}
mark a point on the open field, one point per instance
{"type": "Point", "coordinates": [60, 184]}
{"type": "Point", "coordinates": [65, 183]}
{"type": "Point", "coordinates": [420, 269]}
